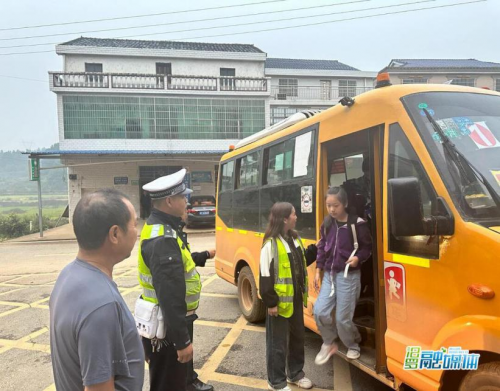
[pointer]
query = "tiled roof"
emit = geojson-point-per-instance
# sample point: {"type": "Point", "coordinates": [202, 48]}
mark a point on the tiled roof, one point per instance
{"type": "Point", "coordinates": [434, 64]}
{"type": "Point", "coordinates": [292, 63]}
{"type": "Point", "coordinates": [163, 45]}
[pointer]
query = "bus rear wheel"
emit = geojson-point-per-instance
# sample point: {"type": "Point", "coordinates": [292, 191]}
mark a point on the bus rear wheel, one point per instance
{"type": "Point", "coordinates": [251, 306]}
{"type": "Point", "coordinates": [486, 378]}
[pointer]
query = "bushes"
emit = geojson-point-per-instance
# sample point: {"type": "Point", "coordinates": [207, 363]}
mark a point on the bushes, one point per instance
{"type": "Point", "coordinates": [15, 225]}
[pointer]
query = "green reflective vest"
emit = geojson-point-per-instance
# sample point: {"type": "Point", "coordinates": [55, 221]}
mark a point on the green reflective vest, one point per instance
{"type": "Point", "coordinates": [283, 278]}
{"type": "Point", "coordinates": [193, 282]}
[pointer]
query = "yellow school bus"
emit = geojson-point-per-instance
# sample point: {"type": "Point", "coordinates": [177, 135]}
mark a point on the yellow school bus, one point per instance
{"type": "Point", "coordinates": [422, 164]}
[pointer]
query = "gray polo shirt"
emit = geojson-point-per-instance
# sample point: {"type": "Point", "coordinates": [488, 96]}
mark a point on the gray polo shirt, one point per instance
{"type": "Point", "coordinates": [92, 332]}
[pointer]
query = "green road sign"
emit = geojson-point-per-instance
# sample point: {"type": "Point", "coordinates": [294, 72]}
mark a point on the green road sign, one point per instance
{"type": "Point", "coordinates": [34, 167]}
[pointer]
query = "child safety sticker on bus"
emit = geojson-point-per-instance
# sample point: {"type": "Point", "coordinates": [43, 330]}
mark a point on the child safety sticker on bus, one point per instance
{"type": "Point", "coordinates": [496, 175]}
{"type": "Point", "coordinates": [306, 199]}
{"type": "Point", "coordinates": [395, 290]}
{"type": "Point", "coordinates": [482, 136]}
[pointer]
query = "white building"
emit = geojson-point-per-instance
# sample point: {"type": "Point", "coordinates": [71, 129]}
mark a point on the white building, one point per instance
{"type": "Point", "coordinates": [130, 111]}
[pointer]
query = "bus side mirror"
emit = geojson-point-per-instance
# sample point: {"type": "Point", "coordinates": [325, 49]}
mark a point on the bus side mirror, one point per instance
{"type": "Point", "coordinates": [406, 216]}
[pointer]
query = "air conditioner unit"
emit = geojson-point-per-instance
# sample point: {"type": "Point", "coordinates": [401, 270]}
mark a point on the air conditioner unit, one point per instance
{"type": "Point", "coordinates": [281, 96]}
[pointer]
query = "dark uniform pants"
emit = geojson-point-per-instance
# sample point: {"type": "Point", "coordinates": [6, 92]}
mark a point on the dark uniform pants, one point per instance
{"type": "Point", "coordinates": [285, 345]}
{"type": "Point", "coordinates": [191, 374]}
{"type": "Point", "coordinates": [165, 372]}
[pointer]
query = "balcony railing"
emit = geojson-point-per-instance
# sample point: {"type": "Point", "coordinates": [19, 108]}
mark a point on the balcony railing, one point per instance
{"type": "Point", "coordinates": [322, 93]}
{"type": "Point", "coordinates": [158, 82]}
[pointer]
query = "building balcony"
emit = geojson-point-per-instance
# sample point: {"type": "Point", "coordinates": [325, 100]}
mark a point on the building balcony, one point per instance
{"type": "Point", "coordinates": [316, 94]}
{"type": "Point", "coordinates": [178, 84]}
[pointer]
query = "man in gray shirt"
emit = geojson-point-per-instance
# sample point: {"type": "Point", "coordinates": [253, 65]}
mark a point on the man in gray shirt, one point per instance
{"type": "Point", "coordinates": [94, 342]}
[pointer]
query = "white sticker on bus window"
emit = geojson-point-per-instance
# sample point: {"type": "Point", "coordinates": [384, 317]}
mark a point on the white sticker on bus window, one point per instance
{"type": "Point", "coordinates": [482, 136]}
{"type": "Point", "coordinates": [278, 164]}
{"type": "Point", "coordinates": [302, 151]}
{"type": "Point", "coordinates": [306, 199]}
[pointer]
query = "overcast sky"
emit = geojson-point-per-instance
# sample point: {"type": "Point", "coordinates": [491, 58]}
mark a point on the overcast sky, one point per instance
{"type": "Point", "coordinates": [28, 109]}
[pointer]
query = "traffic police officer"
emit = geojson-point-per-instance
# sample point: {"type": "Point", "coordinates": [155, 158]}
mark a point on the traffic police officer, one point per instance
{"type": "Point", "coordinates": [168, 276]}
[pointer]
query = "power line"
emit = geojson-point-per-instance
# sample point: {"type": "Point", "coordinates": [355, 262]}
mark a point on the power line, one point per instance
{"type": "Point", "coordinates": [292, 27]}
{"type": "Point", "coordinates": [335, 21]}
{"type": "Point", "coordinates": [171, 23]}
{"type": "Point", "coordinates": [140, 16]}
{"type": "Point", "coordinates": [23, 78]}
{"type": "Point", "coordinates": [250, 23]}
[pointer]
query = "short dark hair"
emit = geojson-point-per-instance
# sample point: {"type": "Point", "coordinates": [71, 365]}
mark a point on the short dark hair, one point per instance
{"type": "Point", "coordinates": [96, 213]}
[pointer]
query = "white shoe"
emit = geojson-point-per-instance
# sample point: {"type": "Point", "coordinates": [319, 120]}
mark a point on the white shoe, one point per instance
{"type": "Point", "coordinates": [353, 354]}
{"type": "Point", "coordinates": [325, 353]}
{"type": "Point", "coordinates": [304, 383]}
{"type": "Point", "coordinates": [286, 388]}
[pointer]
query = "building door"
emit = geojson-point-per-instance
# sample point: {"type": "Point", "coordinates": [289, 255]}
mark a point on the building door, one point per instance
{"type": "Point", "coordinates": [326, 89]}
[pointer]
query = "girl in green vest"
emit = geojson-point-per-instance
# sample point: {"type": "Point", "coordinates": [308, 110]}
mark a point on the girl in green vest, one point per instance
{"type": "Point", "coordinates": [283, 288]}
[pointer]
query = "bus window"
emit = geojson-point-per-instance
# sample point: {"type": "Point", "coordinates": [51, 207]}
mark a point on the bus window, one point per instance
{"type": "Point", "coordinates": [404, 162]}
{"type": "Point", "coordinates": [246, 195]}
{"type": "Point", "coordinates": [248, 171]}
{"type": "Point", "coordinates": [227, 176]}
{"type": "Point", "coordinates": [288, 175]}
{"type": "Point", "coordinates": [225, 201]}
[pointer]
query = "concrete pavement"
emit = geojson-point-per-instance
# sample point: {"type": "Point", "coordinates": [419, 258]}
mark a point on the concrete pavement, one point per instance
{"type": "Point", "coordinates": [229, 352]}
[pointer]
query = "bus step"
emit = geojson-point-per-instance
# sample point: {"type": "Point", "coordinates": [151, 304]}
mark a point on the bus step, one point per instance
{"type": "Point", "coordinates": [366, 327]}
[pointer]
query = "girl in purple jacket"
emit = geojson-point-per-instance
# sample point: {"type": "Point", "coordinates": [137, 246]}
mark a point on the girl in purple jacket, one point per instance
{"type": "Point", "coordinates": [338, 272]}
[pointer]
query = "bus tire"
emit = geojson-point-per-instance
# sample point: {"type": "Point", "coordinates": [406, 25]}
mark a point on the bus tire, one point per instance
{"type": "Point", "coordinates": [485, 378]}
{"type": "Point", "coordinates": [251, 306]}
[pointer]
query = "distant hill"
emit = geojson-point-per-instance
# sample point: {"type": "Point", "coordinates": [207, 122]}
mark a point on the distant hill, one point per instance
{"type": "Point", "coordinates": [14, 175]}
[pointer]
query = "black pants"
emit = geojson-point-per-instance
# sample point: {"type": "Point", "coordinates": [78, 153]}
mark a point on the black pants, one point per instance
{"type": "Point", "coordinates": [285, 345]}
{"type": "Point", "coordinates": [191, 374]}
{"type": "Point", "coordinates": [165, 372]}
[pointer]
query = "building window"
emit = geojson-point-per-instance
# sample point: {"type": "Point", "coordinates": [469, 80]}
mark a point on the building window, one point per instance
{"type": "Point", "coordinates": [415, 80]}
{"type": "Point", "coordinates": [123, 117]}
{"type": "Point", "coordinates": [93, 67]}
{"type": "Point", "coordinates": [247, 172]}
{"type": "Point", "coordinates": [347, 88]}
{"type": "Point", "coordinates": [288, 87]}
{"type": "Point", "coordinates": [227, 82]}
{"type": "Point", "coordinates": [468, 82]}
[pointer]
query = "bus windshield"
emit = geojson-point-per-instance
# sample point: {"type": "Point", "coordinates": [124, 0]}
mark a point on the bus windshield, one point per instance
{"type": "Point", "coordinates": [470, 123]}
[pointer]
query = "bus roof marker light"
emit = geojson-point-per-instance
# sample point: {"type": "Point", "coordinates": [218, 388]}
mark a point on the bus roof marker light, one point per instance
{"type": "Point", "coordinates": [231, 148]}
{"type": "Point", "coordinates": [347, 101]}
{"type": "Point", "coordinates": [383, 80]}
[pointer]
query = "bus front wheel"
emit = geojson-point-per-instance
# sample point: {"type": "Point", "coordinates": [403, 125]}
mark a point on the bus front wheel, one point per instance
{"type": "Point", "coordinates": [251, 306]}
{"type": "Point", "coordinates": [486, 378]}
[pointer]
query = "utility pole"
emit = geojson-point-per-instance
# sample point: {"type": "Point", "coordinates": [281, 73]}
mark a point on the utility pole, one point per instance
{"type": "Point", "coordinates": [35, 176]}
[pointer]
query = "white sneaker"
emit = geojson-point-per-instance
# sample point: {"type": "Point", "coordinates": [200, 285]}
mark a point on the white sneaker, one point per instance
{"type": "Point", "coordinates": [325, 353]}
{"type": "Point", "coordinates": [286, 388]}
{"type": "Point", "coordinates": [353, 354]}
{"type": "Point", "coordinates": [304, 383]}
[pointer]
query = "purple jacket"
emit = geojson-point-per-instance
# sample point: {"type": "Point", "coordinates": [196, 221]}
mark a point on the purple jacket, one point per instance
{"type": "Point", "coordinates": [335, 248]}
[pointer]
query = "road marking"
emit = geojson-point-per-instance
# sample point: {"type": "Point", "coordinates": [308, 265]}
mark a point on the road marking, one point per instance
{"type": "Point", "coordinates": [220, 295]}
{"type": "Point", "coordinates": [209, 280]}
{"type": "Point", "coordinates": [52, 387]}
{"type": "Point", "coordinates": [222, 350]}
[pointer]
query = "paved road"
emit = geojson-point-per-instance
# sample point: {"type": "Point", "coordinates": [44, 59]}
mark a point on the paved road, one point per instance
{"type": "Point", "coordinates": [229, 352]}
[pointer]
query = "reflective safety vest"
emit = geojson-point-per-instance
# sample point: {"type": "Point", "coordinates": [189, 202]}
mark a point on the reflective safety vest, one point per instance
{"type": "Point", "coordinates": [283, 277]}
{"type": "Point", "coordinates": [193, 282]}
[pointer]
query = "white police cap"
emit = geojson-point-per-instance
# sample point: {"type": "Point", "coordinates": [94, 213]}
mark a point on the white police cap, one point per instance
{"type": "Point", "coordinates": [168, 186]}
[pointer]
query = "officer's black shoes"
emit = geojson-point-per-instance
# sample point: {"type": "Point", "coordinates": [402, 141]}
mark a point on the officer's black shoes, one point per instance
{"type": "Point", "coordinates": [198, 385]}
